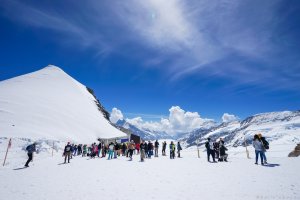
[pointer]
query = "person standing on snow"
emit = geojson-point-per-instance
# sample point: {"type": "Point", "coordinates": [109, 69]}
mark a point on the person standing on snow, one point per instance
{"type": "Point", "coordinates": [150, 149]}
{"type": "Point", "coordinates": [156, 146]}
{"type": "Point", "coordinates": [258, 146]}
{"type": "Point", "coordinates": [210, 150]}
{"type": "Point", "coordinates": [30, 150]}
{"type": "Point", "coordinates": [172, 150]}
{"type": "Point", "coordinates": [146, 150]}
{"type": "Point", "coordinates": [164, 148]}
{"type": "Point", "coordinates": [67, 152]}
{"type": "Point", "coordinates": [142, 150]}
{"type": "Point", "coordinates": [137, 147]}
{"type": "Point", "coordinates": [223, 149]}
{"type": "Point", "coordinates": [99, 148]}
{"type": "Point", "coordinates": [117, 147]}
{"type": "Point", "coordinates": [217, 149]}
{"type": "Point", "coordinates": [265, 147]}
{"type": "Point", "coordinates": [131, 149]}
{"type": "Point", "coordinates": [178, 149]}
{"type": "Point", "coordinates": [84, 150]}
{"type": "Point", "coordinates": [111, 148]}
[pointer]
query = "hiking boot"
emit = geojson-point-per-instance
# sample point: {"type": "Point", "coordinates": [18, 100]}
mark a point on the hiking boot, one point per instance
{"type": "Point", "coordinates": [256, 163]}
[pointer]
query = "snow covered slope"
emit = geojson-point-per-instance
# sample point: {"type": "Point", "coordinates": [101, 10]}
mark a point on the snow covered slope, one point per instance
{"type": "Point", "coordinates": [50, 104]}
{"type": "Point", "coordinates": [280, 128]}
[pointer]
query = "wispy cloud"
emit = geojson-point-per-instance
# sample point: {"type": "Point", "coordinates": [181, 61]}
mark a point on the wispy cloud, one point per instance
{"type": "Point", "coordinates": [222, 38]}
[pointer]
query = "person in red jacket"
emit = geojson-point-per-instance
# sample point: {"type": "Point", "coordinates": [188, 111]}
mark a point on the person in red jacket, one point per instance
{"type": "Point", "coordinates": [137, 147]}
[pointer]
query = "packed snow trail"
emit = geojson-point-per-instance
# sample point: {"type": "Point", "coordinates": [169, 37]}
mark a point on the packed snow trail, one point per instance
{"type": "Point", "coordinates": [157, 178]}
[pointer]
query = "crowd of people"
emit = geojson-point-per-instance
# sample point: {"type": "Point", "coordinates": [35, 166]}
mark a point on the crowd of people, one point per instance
{"type": "Point", "coordinates": [215, 149]}
{"type": "Point", "coordinates": [115, 149]}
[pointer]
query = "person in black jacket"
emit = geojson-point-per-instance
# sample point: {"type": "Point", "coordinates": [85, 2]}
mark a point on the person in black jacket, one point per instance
{"type": "Point", "coordinates": [156, 145]}
{"type": "Point", "coordinates": [223, 154]}
{"type": "Point", "coordinates": [30, 150]}
{"type": "Point", "coordinates": [68, 152]}
{"type": "Point", "coordinates": [142, 150]}
{"type": "Point", "coordinates": [217, 149]}
{"type": "Point", "coordinates": [150, 149]}
{"type": "Point", "coordinates": [164, 148]}
{"type": "Point", "coordinates": [146, 150]}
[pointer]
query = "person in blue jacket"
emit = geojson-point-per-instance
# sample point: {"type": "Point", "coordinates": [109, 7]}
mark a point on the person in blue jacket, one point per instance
{"type": "Point", "coordinates": [30, 150]}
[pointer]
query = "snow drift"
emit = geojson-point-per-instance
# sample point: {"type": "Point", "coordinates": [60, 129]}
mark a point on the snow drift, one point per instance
{"type": "Point", "coordinates": [50, 104]}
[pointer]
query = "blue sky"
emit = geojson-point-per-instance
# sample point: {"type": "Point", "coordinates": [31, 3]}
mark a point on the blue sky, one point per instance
{"type": "Point", "coordinates": [143, 57]}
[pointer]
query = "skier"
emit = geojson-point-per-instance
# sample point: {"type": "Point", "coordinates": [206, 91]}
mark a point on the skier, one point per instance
{"type": "Point", "coordinates": [172, 150]}
{"type": "Point", "coordinates": [67, 152]}
{"type": "Point", "coordinates": [265, 147]}
{"type": "Point", "coordinates": [178, 149]}
{"type": "Point", "coordinates": [142, 149]}
{"type": "Point", "coordinates": [210, 150]}
{"type": "Point", "coordinates": [30, 150]}
{"type": "Point", "coordinates": [223, 149]}
{"type": "Point", "coordinates": [156, 145]}
{"type": "Point", "coordinates": [111, 150]}
{"type": "Point", "coordinates": [164, 148]}
{"type": "Point", "coordinates": [258, 146]}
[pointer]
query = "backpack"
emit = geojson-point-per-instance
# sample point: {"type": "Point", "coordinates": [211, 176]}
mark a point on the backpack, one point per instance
{"type": "Point", "coordinates": [207, 145]}
{"type": "Point", "coordinates": [68, 149]}
{"type": "Point", "coordinates": [28, 148]}
{"type": "Point", "coordinates": [265, 143]}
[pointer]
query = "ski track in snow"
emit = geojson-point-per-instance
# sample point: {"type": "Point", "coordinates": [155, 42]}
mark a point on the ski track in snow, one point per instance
{"type": "Point", "coordinates": [157, 178]}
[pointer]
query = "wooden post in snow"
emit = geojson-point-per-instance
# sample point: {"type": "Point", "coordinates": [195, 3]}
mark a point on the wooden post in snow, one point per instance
{"type": "Point", "coordinates": [8, 146]}
{"type": "Point", "coordinates": [247, 152]}
{"type": "Point", "coordinates": [198, 148]}
{"type": "Point", "coordinates": [52, 148]}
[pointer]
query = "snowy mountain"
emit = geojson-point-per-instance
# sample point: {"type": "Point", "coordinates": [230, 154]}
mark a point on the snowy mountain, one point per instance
{"type": "Point", "coordinates": [277, 127]}
{"type": "Point", "coordinates": [50, 104]}
{"type": "Point", "coordinates": [143, 133]}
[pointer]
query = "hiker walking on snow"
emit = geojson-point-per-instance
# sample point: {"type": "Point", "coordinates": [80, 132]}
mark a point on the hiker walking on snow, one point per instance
{"type": "Point", "coordinates": [30, 150]}
{"type": "Point", "coordinates": [210, 150]}
{"type": "Point", "coordinates": [172, 150]}
{"type": "Point", "coordinates": [265, 144]}
{"type": "Point", "coordinates": [67, 152]}
{"type": "Point", "coordinates": [258, 146]}
{"type": "Point", "coordinates": [156, 146]}
{"type": "Point", "coordinates": [178, 149]}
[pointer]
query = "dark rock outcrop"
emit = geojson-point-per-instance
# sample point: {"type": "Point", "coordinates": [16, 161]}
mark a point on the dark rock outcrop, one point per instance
{"type": "Point", "coordinates": [296, 152]}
